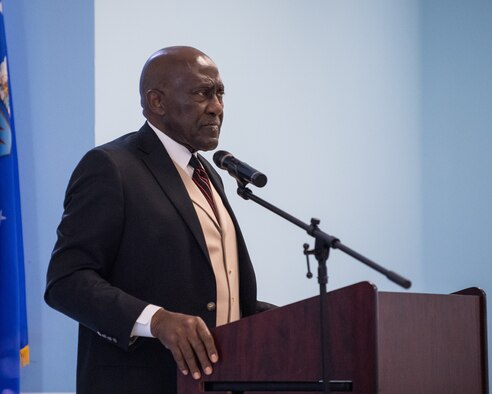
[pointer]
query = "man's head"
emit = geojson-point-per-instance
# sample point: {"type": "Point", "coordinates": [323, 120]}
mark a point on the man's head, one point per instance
{"type": "Point", "coordinates": [181, 93]}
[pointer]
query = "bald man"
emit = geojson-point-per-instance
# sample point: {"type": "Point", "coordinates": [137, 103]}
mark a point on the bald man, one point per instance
{"type": "Point", "coordinates": [145, 260]}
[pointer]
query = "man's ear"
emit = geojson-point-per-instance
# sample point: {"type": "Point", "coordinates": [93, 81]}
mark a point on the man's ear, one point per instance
{"type": "Point", "coordinates": [155, 102]}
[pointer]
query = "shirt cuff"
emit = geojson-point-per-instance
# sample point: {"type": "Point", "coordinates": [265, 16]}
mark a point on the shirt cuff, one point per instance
{"type": "Point", "coordinates": [141, 328]}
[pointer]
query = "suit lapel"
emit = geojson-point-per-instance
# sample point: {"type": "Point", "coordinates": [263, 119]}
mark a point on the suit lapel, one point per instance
{"type": "Point", "coordinates": [162, 168]}
{"type": "Point", "coordinates": [217, 182]}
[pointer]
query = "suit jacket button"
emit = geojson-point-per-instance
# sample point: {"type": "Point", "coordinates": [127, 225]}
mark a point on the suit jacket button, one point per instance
{"type": "Point", "coordinates": [211, 306]}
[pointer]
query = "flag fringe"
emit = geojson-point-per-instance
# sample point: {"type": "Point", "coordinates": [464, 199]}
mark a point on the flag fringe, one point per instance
{"type": "Point", "coordinates": [24, 356]}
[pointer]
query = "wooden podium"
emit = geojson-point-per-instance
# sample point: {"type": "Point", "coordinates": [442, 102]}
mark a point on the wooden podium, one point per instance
{"type": "Point", "coordinates": [379, 342]}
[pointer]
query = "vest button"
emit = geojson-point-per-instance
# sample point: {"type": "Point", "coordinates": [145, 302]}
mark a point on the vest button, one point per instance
{"type": "Point", "coordinates": [211, 306]}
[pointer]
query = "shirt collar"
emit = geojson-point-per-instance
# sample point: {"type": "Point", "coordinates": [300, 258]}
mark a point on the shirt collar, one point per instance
{"type": "Point", "coordinates": [178, 153]}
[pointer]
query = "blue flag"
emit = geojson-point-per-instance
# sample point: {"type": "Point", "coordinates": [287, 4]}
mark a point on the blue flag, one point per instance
{"type": "Point", "coordinates": [14, 350]}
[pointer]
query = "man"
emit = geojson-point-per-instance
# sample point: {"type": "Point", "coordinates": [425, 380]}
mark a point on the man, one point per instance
{"type": "Point", "coordinates": [145, 249]}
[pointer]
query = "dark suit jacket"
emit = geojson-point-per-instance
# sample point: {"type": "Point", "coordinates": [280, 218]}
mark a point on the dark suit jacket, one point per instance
{"type": "Point", "coordinates": [130, 236]}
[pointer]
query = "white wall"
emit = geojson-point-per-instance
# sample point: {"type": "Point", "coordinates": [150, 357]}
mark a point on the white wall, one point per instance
{"type": "Point", "coordinates": [457, 146]}
{"type": "Point", "coordinates": [322, 96]}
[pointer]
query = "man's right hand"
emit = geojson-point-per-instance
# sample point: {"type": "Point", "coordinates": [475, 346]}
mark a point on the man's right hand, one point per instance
{"type": "Point", "coordinates": [188, 339]}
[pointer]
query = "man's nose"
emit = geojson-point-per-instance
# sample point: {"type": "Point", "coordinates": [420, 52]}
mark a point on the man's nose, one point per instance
{"type": "Point", "coordinates": [215, 105]}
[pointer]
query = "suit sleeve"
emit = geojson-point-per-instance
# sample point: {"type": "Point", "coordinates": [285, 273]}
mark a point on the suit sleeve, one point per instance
{"type": "Point", "coordinates": [78, 278]}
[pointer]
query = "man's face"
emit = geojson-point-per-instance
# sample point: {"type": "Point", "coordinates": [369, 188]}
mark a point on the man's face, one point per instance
{"type": "Point", "coordinates": [194, 107]}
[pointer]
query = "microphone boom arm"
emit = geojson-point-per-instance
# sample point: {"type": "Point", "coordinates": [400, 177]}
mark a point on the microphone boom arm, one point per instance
{"type": "Point", "coordinates": [320, 236]}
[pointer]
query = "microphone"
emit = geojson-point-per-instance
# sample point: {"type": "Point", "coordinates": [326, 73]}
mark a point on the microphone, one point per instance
{"type": "Point", "coordinates": [238, 169]}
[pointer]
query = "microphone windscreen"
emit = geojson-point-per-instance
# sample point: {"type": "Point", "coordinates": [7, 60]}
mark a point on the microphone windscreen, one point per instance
{"type": "Point", "coordinates": [219, 158]}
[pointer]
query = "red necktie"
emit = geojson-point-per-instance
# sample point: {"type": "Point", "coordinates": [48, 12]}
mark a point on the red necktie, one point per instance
{"type": "Point", "coordinates": [200, 178]}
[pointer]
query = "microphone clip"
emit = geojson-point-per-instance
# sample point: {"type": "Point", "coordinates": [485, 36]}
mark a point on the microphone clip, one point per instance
{"type": "Point", "coordinates": [242, 190]}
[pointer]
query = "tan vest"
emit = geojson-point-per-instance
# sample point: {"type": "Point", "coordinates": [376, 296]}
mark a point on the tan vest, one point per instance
{"type": "Point", "coordinates": [220, 237]}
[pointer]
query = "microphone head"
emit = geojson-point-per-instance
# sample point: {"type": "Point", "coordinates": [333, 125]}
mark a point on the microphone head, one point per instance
{"type": "Point", "coordinates": [219, 158]}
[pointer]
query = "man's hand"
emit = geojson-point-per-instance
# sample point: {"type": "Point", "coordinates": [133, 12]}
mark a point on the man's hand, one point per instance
{"type": "Point", "coordinates": [188, 339]}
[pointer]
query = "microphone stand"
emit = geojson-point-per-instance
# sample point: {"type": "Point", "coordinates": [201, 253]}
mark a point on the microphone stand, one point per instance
{"type": "Point", "coordinates": [323, 243]}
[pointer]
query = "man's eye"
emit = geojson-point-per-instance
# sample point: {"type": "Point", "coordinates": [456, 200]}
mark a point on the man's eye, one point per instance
{"type": "Point", "coordinates": [208, 93]}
